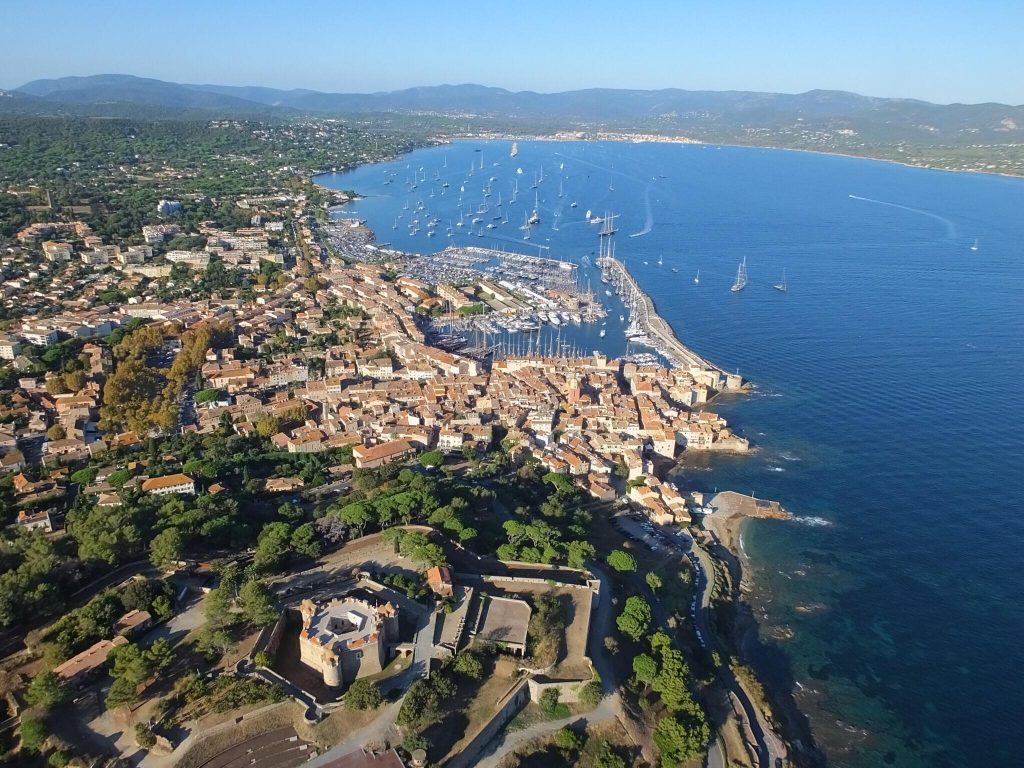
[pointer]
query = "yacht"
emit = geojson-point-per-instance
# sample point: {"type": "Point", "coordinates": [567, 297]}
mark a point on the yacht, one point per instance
{"type": "Point", "coordinates": [781, 286]}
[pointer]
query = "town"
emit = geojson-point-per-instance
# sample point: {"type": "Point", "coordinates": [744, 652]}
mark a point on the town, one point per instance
{"type": "Point", "coordinates": [237, 443]}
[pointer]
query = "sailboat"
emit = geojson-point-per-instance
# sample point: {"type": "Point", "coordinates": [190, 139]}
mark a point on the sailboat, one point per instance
{"type": "Point", "coordinates": [781, 286]}
{"type": "Point", "coordinates": [975, 246]}
{"type": "Point", "coordinates": [535, 216]}
{"type": "Point", "coordinates": [696, 278]}
{"type": "Point", "coordinates": [741, 277]}
{"type": "Point", "coordinates": [515, 149]}
{"type": "Point", "coordinates": [660, 262]}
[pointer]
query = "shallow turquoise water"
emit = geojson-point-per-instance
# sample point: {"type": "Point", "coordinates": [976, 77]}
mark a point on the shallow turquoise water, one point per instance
{"type": "Point", "coordinates": [886, 402]}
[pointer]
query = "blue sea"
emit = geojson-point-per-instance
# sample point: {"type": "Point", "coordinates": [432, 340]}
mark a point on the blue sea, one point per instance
{"type": "Point", "coordinates": [885, 410]}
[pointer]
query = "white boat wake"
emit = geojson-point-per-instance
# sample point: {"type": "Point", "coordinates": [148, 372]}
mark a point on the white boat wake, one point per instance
{"type": "Point", "coordinates": [950, 226]}
{"type": "Point", "coordinates": [816, 522]}
{"type": "Point", "coordinates": [649, 223]}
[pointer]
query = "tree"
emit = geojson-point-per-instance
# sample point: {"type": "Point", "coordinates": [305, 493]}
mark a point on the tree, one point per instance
{"type": "Point", "coordinates": [607, 757]}
{"type": "Point", "coordinates": [258, 605]}
{"type": "Point", "coordinates": [272, 546]}
{"type": "Point", "coordinates": [44, 690]}
{"type": "Point", "coordinates": [363, 694]}
{"type": "Point", "coordinates": [166, 548]}
{"type": "Point", "coordinates": [621, 560]}
{"type": "Point", "coordinates": [551, 707]}
{"type": "Point", "coordinates": [578, 552]}
{"type": "Point", "coordinates": [217, 607]}
{"type": "Point", "coordinates": [84, 476]}
{"type": "Point", "coordinates": [144, 737]}
{"type": "Point", "coordinates": [419, 705]}
{"type": "Point", "coordinates": [431, 458]}
{"type": "Point", "coordinates": [591, 694]}
{"type": "Point", "coordinates": [653, 581]}
{"type": "Point", "coordinates": [160, 655]}
{"type": "Point", "coordinates": [568, 741]}
{"type": "Point", "coordinates": [468, 665]}
{"type": "Point", "coordinates": [645, 668]}
{"type": "Point", "coordinates": [677, 743]}
{"type": "Point", "coordinates": [215, 642]}
{"type": "Point", "coordinates": [33, 733]}
{"type": "Point", "coordinates": [635, 618]}
{"type": "Point", "coordinates": [304, 541]}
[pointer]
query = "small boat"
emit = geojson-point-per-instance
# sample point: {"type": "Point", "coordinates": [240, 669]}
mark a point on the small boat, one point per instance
{"type": "Point", "coordinates": [603, 333]}
{"type": "Point", "coordinates": [515, 150]}
{"type": "Point", "coordinates": [696, 278]}
{"type": "Point", "coordinates": [974, 247]}
{"type": "Point", "coordinates": [741, 277]}
{"type": "Point", "coordinates": [573, 204]}
{"type": "Point", "coordinates": [674, 269]}
{"type": "Point", "coordinates": [660, 261]}
{"type": "Point", "coordinates": [781, 286]}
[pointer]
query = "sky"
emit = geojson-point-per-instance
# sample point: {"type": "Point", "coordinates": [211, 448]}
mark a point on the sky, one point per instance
{"type": "Point", "coordinates": [938, 50]}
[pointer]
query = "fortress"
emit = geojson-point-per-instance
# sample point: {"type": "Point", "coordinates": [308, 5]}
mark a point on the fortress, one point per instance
{"type": "Point", "coordinates": [346, 638]}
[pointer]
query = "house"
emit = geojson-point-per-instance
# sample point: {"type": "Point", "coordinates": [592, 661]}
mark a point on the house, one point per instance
{"type": "Point", "coordinates": [82, 667]}
{"type": "Point", "coordinates": [176, 483]}
{"type": "Point", "coordinates": [12, 461]}
{"type": "Point", "coordinates": [133, 623]}
{"type": "Point", "coordinates": [31, 521]}
{"type": "Point", "coordinates": [439, 579]}
{"type": "Point", "coordinates": [369, 457]}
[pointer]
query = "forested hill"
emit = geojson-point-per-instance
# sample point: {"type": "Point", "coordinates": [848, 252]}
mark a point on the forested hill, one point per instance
{"type": "Point", "coordinates": [895, 120]}
{"type": "Point", "coordinates": [977, 137]}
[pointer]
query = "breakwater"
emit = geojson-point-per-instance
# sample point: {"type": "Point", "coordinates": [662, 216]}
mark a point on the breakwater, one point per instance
{"type": "Point", "coordinates": [645, 316]}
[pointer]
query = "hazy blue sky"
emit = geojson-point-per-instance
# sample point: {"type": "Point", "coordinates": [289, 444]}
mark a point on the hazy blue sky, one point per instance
{"type": "Point", "coordinates": [956, 50]}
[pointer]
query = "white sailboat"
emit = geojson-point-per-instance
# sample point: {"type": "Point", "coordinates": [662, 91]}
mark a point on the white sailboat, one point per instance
{"type": "Point", "coordinates": [660, 260]}
{"type": "Point", "coordinates": [515, 149]}
{"type": "Point", "coordinates": [535, 216]}
{"type": "Point", "coordinates": [974, 247]}
{"type": "Point", "coordinates": [741, 277]}
{"type": "Point", "coordinates": [696, 278]}
{"type": "Point", "coordinates": [781, 286]}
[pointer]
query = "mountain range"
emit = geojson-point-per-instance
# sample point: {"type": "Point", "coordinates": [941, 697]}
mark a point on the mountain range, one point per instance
{"type": "Point", "coordinates": [699, 112]}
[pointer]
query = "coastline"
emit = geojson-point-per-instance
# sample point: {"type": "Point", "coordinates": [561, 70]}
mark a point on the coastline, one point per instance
{"type": "Point", "coordinates": [786, 726]}
{"type": "Point", "coordinates": [738, 625]}
{"type": "Point", "coordinates": [653, 138]}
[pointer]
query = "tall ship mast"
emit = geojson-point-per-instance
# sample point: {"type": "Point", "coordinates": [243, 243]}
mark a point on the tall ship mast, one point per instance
{"type": "Point", "coordinates": [741, 277]}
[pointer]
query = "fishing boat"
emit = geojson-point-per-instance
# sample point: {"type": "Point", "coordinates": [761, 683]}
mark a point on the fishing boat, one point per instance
{"type": "Point", "coordinates": [781, 286]}
{"type": "Point", "coordinates": [974, 247]}
{"type": "Point", "coordinates": [741, 277]}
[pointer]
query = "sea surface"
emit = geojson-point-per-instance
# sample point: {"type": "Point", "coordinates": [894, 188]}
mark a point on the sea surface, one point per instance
{"type": "Point", "coordinates": [887, 408]}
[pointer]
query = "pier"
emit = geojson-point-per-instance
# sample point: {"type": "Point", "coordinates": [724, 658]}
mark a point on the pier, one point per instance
{"type": "Point", "coordinates": [646, 317]}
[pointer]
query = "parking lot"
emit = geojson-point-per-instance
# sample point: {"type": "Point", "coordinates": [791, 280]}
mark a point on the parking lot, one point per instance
{"type": "Point", "coordinates": [660, 539]}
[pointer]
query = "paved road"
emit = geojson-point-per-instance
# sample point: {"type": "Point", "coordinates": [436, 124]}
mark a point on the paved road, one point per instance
{"type": "Point", "coordinates": [768, 748]}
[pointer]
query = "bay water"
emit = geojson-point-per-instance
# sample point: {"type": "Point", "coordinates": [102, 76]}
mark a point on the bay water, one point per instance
{"type": "Point", "coordinates": [886, 410]}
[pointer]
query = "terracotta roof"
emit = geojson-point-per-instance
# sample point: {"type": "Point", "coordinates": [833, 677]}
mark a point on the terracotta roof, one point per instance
{"type": "Point", "coordinates": [167, 481]}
